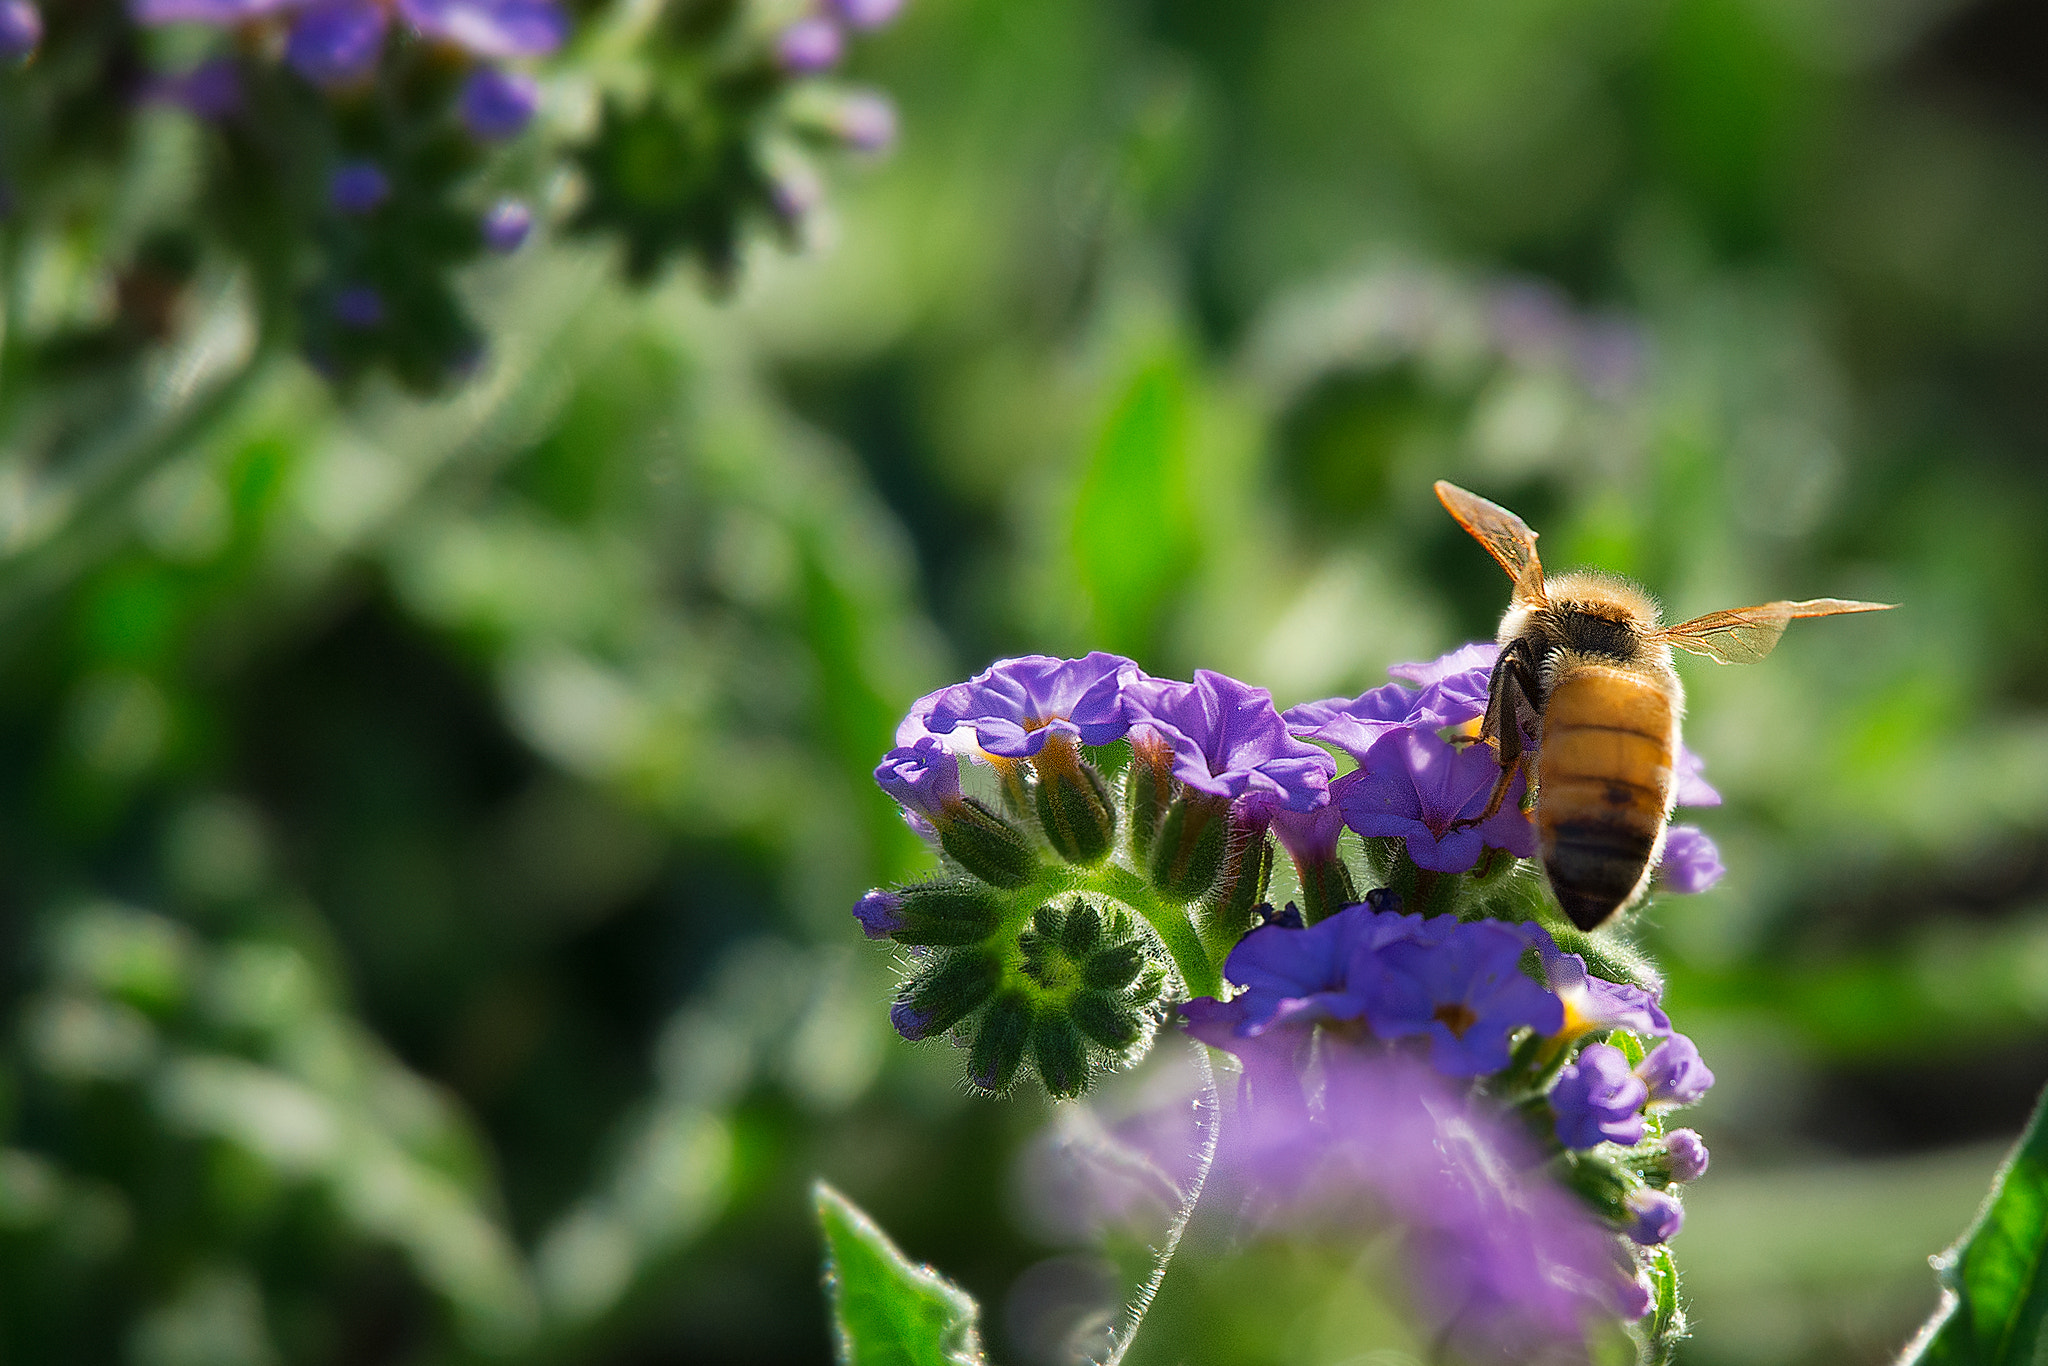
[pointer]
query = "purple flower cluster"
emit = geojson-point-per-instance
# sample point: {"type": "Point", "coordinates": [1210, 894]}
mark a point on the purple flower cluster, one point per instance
{"type": "Point", "coordinates": [1415, 784]}
{"type": "Point", "coordinates": [21, 29]}
{"type": "Point", "coordinates": [1458, 985]}
{"type": "Point", "coordinates": [338, 43]}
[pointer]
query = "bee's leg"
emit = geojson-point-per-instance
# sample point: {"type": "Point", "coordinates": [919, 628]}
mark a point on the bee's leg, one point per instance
{"type": "Point", "coordinates": [1507, 702]}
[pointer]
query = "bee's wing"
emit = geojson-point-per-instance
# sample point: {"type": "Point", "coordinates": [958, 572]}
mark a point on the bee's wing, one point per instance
{"type": "Point", "coordinates": [1743, 635]}
{"type": "Point", "coordinates": [1506, 537]}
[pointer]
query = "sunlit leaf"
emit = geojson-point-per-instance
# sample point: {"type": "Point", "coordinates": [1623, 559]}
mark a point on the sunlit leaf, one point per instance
{"type": "Point", "coordinates": [887, 1310]}
{"type": "Point", "coordinates": [1994, 1298]}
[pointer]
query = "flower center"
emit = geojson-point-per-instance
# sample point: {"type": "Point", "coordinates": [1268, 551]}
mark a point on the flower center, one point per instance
{"type": "Point", "coordinates": [1457, 1017]}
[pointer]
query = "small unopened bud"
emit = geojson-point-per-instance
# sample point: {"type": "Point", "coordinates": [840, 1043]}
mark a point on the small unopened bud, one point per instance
{"type": "Point", "coordinates": [986, 845]}
{"type": "Point", "coordinates": [880, 913]}
{"type": "Point", "coordinates": [945, 993]}
{"type": "Point", "coordinates": [1105, 1018]}
{"type": "Point", "coordinates": [1652, 1217]}
{"type": "Point", "coordinates": [1061, 1057]}
{"type": "Point", "coordinates": [1685, 1155]}
{"type": "Point", "coordinates": [947, 914]}
{"type": "Point", "coordinates": [999, 1042]}
{"type": "Point", "coordinates": [1193, 840]}
{"type": "Point", "coordinates": [1246, 873]}
{"type": "Point", "coordinates": [1115, 967]}
{"type": "Point", "coordinates": [1073, 803]}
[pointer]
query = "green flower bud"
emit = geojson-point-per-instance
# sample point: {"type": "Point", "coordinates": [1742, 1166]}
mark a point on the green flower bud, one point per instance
{"type": "Point", "coordinates": [1109, 1020]}
{"type": "Point", "coordinates": [999, 1042]}
{"type": "Point", "coordinates": [1074, 803]}
{"type": "Point", "coordinates": [1189, 851]}
{"type": "Point", "coordinates": [986, 845]}
{"type": "Point", "coordinates": [1062, 1058]}
{"type": "Point", "coordinates": [1148, 790]}
{"type": "Point", "coordinates": [948, 914]}
{"type": "Point", "coordinates": [949, 990]}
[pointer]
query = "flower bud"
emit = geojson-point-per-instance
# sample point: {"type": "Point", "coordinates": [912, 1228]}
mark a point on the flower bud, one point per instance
{"type": "Point", "coordinates": [1073, 803]}
{"type": "Point", "coordinates": [986, 845]}
{"type": "Point", "coordinates": [1149, 790]}
{"type": "Point", "coordinates": [948, 914]}
{"type": "Point", "coordinates": [1113, 968]}
{"type": "Point", "coordinates": [1189, 851]}
{"type": "Point", "coordinates": [1061, 1057]}
{"type": "Point", "coordinates": [1674, 1072]}
{"type": "Point", "coordinates": [1107, 1019]}
{"type": "Point", "coordinates": [1247, 871]}
{"type": "Point", "coordinates": [1685, 1155]}
{"type": "Point", "coordinates": [999, 1042]}
{"type": "Point", "coordinates": [945, 993]}
{"type": "Point", "coordinates": [1652, 1217]}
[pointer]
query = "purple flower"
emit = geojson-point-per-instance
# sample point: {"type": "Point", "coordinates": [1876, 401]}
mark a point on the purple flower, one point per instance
{"type": "Point", "coordinates": [925, 781]}
{"type": "Point", "coordinates": [813, 43]}
{"type": "Point", "coordinates": [1298, 976]}
{"type": "Point", "coordinates": [1016, 705]}
{"type": "Point", "coordinates": [1271, 1059]}
{"type": "Point", "coordinates": [1654, 1217]}
{"type": "Point", "coordinates": [1418, 787]}
{"type": "Point", "coordinates": [1691, 862]}
{"type": "Point", "coordinates": [21, 29]}
{"type": "Point", "coordinates": [1674, 1072]}
{"type": "Point", "coordinates": [223, 12]}
{"type": "Point", "coordinates": [506, 224]}
{"type": "Point", "coordinates": [867, 13]}
{"type": "Point", "coordinates": [1594, 1003]}
{"type": "Point", "coordinates": [880, 913]}
{"type": "Point", "coordinates": [212, 90]}
{"type": "Point", "coordinates": [1310, 837]}
{"type": "Point", "coordinates": [495, 29]}
{"type": "Point", "coordinates": [1447, 691]}
{"type": "Point", "coordinates": [1465, 992]}
{"type": "Point", "coordinates": [1598, 1100]}
{"type": "Point", "coordinates": [496, 105]}
{"type": "Point", "coordinates": [358, 187]}
{"type": "Point", "coordinates": [358, 306]}
{"type": "Point", "coordinates": [863, 120]}
{"type": "Point", "coordinates": [337, 42]}
{"type": "Point", "coordinates": [1692, 788]}
{"type": "Point", "coordinates": [1687, 1154]}
{"type": "Point", "coordinates": [1228, 741]}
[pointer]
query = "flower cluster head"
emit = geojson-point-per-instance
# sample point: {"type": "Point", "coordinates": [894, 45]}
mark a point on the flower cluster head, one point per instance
{"type": "Point", "coordinates": [1109, 840]}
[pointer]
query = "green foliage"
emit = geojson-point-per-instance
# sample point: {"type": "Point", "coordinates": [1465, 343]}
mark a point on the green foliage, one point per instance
{"type": "Point", "coordinates": [889, 1311]}
{"type": "Point", "coordinates": [1994, 1296]}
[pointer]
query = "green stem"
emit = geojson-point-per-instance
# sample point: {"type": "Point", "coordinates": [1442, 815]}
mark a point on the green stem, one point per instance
{"type": "Point", "coordinates": [1169, 920]}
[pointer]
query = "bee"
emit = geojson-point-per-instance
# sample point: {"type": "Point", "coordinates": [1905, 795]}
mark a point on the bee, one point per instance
{"type": "Point", "coordinates": [1584, 700]}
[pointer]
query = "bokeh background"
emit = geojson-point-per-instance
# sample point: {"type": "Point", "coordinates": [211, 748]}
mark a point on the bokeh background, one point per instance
{"type": "Point", "coordinates": [428, 826]}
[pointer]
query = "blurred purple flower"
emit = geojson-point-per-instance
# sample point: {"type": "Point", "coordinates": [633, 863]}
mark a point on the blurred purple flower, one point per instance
{"type": "Point", "coordinates": [506, 224]}
{"type": "Point", "coordinates": [864, 121]}
{"type": "Point", "coordinates": [866, 13]}
{"type": "Point", "coordinates": [337, 42]}
{"type": "Point", "coordinates": [1229, 742]}
{"type": "Point", "coordinates": [212, 90]}
{"type": "Point", "coordinates": [1598, 1100]}
{"type": "Point", "coordinates": [21, 29]}
{"type": "Point", "coordinates": [358, 187]}
{"type": "Point", "coordinates": [1419, 788]}
{"type": "Point", "coordinates": [880, 913]}
{"type": "Point", "coordinates": [1466, 992]}
{"type": "Point", "coordinates": [496, 105]}
{"type": "Point", "coordinates": [150, 12]}
{"type": "Point", "coordinates": [358, 306]}
{"type": "Point", "coordinates": [1272, 1060]}
{"type": "Point", "coordinates": [925, 781]}
{"type": "Point", "coordinates": [811, 44]}
{"type": "Point", "coordinates": [1654, 1217]}
{"type": "Point", "coordinates": [1674, 1072]}
{"type": "Point", "coordinates": [1693, 789]}
{"type": "Point", "coordinates": [1687, 1154]}
{"type": "Point", "coordinates": [1015, 705]}
{"type": "Point", "coordinates": [1594, 1003]}
{"type": "Point", "coordinates": [1691, 861]}
{"type": "Point", "coordinates": [495, 29]}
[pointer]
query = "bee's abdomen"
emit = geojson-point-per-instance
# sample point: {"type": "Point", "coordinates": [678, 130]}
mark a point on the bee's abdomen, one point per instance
{"type": "Point", "coordinates": [1604, 785]}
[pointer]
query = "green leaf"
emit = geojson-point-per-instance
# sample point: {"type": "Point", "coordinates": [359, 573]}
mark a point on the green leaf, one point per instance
{"type": "Point", "coordinates": [888, 1311]}
{"type": "Point", "coordinates": [1994, 1298]}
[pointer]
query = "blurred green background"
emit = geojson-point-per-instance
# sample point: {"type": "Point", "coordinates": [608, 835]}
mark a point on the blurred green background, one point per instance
{"type": "Point", "coordinates": [428, 828]}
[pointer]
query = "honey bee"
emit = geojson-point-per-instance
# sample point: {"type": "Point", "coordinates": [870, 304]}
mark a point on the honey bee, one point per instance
{"type": "Point", "coordinates": [1585, 669]}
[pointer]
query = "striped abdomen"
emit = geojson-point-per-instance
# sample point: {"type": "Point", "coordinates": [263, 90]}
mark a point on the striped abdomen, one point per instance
{"type": "Point", "coordinates": [1604, 787]}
